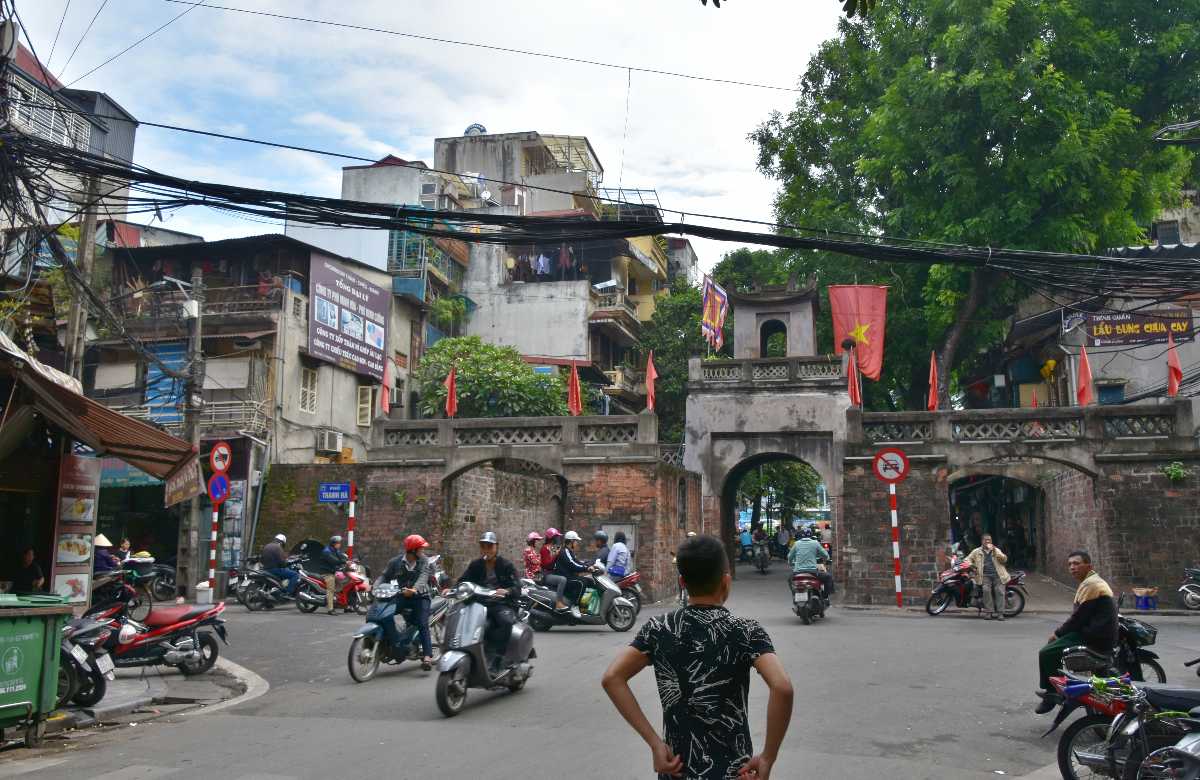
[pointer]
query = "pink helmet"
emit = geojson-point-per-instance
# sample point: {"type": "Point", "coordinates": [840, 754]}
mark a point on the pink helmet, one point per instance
{"type": "Point", "coordinates": [552, 533]}
{"type": "Point", "coordinates": [533, 537]}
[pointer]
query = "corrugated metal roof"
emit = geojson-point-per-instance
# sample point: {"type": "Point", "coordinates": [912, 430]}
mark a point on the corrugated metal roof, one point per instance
{"type": "Point", "coordinates": [1158, 251]}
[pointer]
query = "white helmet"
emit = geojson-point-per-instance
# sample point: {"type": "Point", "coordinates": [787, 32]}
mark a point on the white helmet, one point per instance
{"type": "Point", "coordinates": [571, 536]}
{"type": "Point", "coordinates": [281, 538]}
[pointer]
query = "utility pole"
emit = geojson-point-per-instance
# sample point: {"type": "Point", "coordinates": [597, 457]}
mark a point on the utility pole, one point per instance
{"type": "Point", "coordinates": [85, 251]}
{"type": "Point", "coordinates": [187, 558]}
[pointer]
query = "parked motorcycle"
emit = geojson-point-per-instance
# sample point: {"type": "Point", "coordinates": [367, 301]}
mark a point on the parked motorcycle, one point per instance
{"type": "Point", "coordinates": [170, 636]}
{"type": "Point", "coordinates": [112, 595]}
{"type": "Point", "coordinates": [371, 647]}
{"type": "Point", "coordinates": [957, 587]}
{"type": "Point", "coordinates": [259, 589]}
{"type": "Point", "coordinates": [631, 589]}
{"type": "Point", "coordinates": [84, 662]}
{"type": "Point", "coordinates": [762, 557]}
{"type": "Point", "coordinates": [466, 664]}
{"type": "Point", "coordinates": [807, 601]}
{"type": "Point", "coordinates": [351, 590]}
{"type": "Point", "coordinates": [1180, 761]}
{"type": "Point", "coordinates": [601, 602]}
{"type": "Point", "coordinates": [1189, 591]}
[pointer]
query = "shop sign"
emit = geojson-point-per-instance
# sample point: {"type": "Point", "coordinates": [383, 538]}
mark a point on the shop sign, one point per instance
{"type": "Point", "coordinates": [1123, 328]}
{"type": "Point", "coordinates": [347, 319]}
{"type": "Point", "coordinates": [184, 483]}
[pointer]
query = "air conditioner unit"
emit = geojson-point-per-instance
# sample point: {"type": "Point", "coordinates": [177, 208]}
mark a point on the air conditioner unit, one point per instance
{"type": "Point", "coordinates": [329, 442]}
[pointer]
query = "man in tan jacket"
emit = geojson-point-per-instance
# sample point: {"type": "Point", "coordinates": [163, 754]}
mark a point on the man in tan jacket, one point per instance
{"type": "Point", "coordinates": [987, 562]}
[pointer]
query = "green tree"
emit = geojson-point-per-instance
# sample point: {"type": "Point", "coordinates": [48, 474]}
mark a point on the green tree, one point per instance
{"type": "Point", "coordinates": [492, 381]}
{"type": "Point", "coordinates": [1018, 123]}
{"type": "Point", "coordinates": [787, 486]}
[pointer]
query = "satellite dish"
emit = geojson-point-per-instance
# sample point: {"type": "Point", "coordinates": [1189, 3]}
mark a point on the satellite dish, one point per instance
{"type": "Point", "coordinates": [485, 195]}
{"type": "Point", "coordinates": [475, 129]}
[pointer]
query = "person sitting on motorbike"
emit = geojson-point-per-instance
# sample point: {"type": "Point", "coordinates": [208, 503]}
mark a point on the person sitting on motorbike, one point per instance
{"type": "Point", "coordinates": [549, 554]}
{"type": "Point", "coordinates": [806, 557]}
{"type": "Point", "coordinates": [532, 558]}
{"type": "Point", "coordinates": [410, 572]}
{"type": "Point", "coordinates": [602, 549]}
{"type": "Point", "coordinates": [747, 543]}
{"type": "Point", "coordinates": [489, 570]}
{"type": "Point", "coordinates": [618, 557]}
{"type": "Point", "coordinates": [569, 566]}
{"type": "Point", "coordinates": [104, 560]}
{"type": "Point", "coordinates": [328, 564]}
{"type": "Point", "coordinates": [274, 562]}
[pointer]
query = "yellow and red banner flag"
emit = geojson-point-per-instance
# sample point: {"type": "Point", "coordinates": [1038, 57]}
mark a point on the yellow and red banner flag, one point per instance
{"type": "Point", "coordinates": [715, 309]}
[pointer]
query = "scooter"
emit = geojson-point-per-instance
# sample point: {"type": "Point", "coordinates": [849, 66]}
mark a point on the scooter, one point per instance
{"type": "Point", "coordinates": [352, 590]}
{"type": "Point", "coordinates": [113, 596]}
{"type": "Point", "coordinates": [632, 590]}
{"type": "Point", "coordinates": [87, 663]}
{"type": "Point", "coordinates": [170, 636]}
{"type": "Point", "coordinates": [466, 664]}
{"type": "Point", "coordinates": [1189, 591]}
{"type": "Point", "coordinates": [260, 589]}
{"type": "Point", "coordinates": [371, 646]}
{"type": "Point", "coordinates": [601, 602]}
{"type": "Point", "coordinates": [762, 557]}
{"type": "Point", "coordinates": [807, 601]}
{"type": "Point", "coordinates": [957, 587]}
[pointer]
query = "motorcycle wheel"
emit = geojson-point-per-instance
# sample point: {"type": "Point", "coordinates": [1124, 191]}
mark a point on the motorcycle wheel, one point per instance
{"type": "Point", "coordinates": [92, 688]}
{"type": "Point", "coordinates": [451, 692]}
{"type": "Point", "coordinates": [1152, 671]}
{"type": "Point", "coordinates": [437, 635]}
{"type": "Point", "coordinates": [1014, 603]}
{"type": "Point", "coordinates": [1189, 600]}
{"type": "Point", "coordinates": [1154, 766]}
{"type": "Point", "coordinates": [307, 607]}
{"type": "Point", "coordinates": [540, 623]}
{"type": "Point", "coordinates": [938, 602]}
{"type": "Point", "coordinates": [142, 605]}
{"type": "Point", "coordinates": [253, 598]}
{"type": "Point", "coordinates": [164, 589]}
{"type": "Point", "coordinates": [361, 604]}
{"type": "Point", "coordinates": [806, 615]}
{"type": "Point", "coordinates": [209, 650]}
{"type": "Point", "coordinates": [363, 661]}
{"type": "Point", "coordinates": [633, 596]}
{"type": "Point", "coordinates": [68, 682]}
{"type": "Point", "coordinates": [621, 618]}
{"type": "Point", "coordinates": [1089, 733]}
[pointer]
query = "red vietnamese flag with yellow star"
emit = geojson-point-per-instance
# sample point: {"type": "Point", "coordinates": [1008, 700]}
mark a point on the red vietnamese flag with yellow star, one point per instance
{"type": "Point", "coordinates": [859, 313]}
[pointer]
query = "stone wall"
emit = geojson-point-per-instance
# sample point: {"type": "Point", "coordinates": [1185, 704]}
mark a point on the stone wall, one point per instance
{"type": "Point", "coordinates": [1071, 521]}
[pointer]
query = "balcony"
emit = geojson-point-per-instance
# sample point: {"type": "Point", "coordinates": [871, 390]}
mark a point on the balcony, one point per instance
{"type": "Point", "coordinates": [164, 309]}
{"type": "Point", "coordinates": [767, 373]}
{"type": "Point", "coordinates": [616, 302]}
{"type": "Point", "coordinates": [627, 382]}
{"type": "Point", "coordinates": [249, 416]}
{"type": "Point", "coordinates": [616, 315]}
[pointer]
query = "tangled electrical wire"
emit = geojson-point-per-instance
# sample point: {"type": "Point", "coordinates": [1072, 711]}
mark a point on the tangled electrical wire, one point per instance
{"type": "Point", "coordinates": [150, 191]}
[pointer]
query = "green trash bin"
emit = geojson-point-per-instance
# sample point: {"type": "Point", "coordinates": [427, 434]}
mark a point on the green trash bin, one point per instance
{"type": "Point", "coordinates": [30, 637]}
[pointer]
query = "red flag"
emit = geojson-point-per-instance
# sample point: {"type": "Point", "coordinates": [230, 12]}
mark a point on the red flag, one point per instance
{"type": "Point", "coordinates": [932, 404]}
{"type": "Point", "coordinates": [855, 382]}
{"type": "Point", "coordinates": [574, 396]}
{"type": "Point", "coordinates": [451, 384]}
{"type": "Point", "coordinates": [1084, 392]}
{"type": "Point", "coordinates": [1174, 369]}
{"type": "Point", "coordinates": [651, 375]}
{"type": "Point", "coordinates": [385, 392]}
{"type": "Point", "coordinates": [1035, 403]}
{"type": "Point", "coordinates": [859, 314]}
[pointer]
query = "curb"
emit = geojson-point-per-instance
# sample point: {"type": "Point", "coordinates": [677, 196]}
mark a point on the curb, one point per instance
{"type": "Point", "coordinates": [255, 686]}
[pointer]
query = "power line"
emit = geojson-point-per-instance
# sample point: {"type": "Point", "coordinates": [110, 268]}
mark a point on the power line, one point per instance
{"type": "Point", "coordinates": [78, 43]}
{"type": "Point", "coordinates": [58, 32]}
{"type": "Point", "coordinates": [485, 46]}
{"type": "Point", "coordinates": [139, 41]}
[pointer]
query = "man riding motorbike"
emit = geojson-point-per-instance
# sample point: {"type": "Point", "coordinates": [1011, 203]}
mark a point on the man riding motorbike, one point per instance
{"type": "Point", "coordinates": [327, 564]}
{"type": "Point", "coordinates": [410, 572]}
{"type": "Point", "coordinates": [806, 556]}
{"type": "Point", "coordinates": [601, 540]}
{"type": "Point", "coordinates": [489, 570]}
{"type": "Point", "coordinates": [274, 562]}
{"type": "Point", "coordinates": [567, 565]}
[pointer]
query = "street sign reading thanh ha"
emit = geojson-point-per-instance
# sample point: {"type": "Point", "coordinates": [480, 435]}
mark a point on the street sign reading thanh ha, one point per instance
{"type": "Point", "coordinates": [333, 492]}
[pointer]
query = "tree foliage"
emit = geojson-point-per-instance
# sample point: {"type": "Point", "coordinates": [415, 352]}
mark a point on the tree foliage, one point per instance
{"type": "Point", "coordinates": [1018, 123]}
{"type": "Point", "coordinates": [786, 486]}
{"type": "Point", "coordinates": [492, 381]}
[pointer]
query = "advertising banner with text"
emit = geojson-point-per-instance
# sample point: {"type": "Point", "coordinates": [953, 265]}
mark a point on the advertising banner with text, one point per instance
{"type": "Point", "coordinates": [347, 319]}
{"type": "Point", "coordinates": [1129, 328]}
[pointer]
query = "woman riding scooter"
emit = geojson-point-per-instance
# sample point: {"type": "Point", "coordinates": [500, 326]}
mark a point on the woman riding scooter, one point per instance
{"type": "Point", "coordinates": [534, 571]}
{"type": "Point", "coordinates": [570, 567]}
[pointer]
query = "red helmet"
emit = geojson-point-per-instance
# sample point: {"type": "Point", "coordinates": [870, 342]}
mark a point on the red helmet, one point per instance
{"type": "Point", "coordinates": [414, 542]}
{"type": "Point", "coordinates": [552, 533]}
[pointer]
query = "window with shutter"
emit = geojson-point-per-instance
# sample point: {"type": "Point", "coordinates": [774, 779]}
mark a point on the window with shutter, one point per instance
{"type": "Point", "coordinates": [308, 390]}
{"type": "Point", "coordinates": [365, 405]}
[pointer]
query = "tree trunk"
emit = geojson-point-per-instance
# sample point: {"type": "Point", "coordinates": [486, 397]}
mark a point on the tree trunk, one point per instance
{"type": "Point", "coordinates": [966, 311]}
{"type": "Point", "coordinates": [756, 509]}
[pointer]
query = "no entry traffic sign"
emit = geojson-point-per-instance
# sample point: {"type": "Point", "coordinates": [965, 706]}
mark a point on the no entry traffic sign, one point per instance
{"type": "Point", "coordinates": [890, 465]}
{"type": "Point", "coordinates": [221, 457]}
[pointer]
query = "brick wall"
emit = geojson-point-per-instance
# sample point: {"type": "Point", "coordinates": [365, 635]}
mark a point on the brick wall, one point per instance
{"type": "Point", "coordinates": [864, 567]}
{"type": "Point", "coordinates": [1071, 520]}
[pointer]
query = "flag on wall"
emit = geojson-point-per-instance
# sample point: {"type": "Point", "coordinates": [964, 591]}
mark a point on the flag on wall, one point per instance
{"type": "Point", "coordinates": [1174, 369]}
{"type": "Point", "coordinates": [385, 392]}
{"type": "Point", "coordinates": [451, 384]}
{"type": "Point", "coordinates": [651, 375]}
{"type": "Point", "coordinates": [574, 393]}
{"type": "Point", "coordinates": [932, 404]}
{"type": "Point", "coordinates": [1084, 392]}
{"type": "Point", "coordinates": [855, 383]}
{"type": "Point", "coordinates": [715, 308]}
{"type": "Point", "coordinates": [860, 313]}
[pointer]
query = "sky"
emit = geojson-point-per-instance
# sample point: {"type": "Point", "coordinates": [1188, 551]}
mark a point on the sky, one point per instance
{"type": "Point", "coordinates": [371, 94]}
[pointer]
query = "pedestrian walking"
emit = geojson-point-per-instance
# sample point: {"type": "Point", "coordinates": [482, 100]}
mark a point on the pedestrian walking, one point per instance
{"type": "Point", "coordinates": [702, 656]}
{"type": "Point", "coordinates": [987, 563]}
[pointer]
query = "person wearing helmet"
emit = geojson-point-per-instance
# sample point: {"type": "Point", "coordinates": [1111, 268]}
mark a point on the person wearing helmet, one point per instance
{"type": "Point", "coordinates": [601, 540]}
{"type": "Point", "coordinates": [806, 555]}
{"type": "Point", "coordinates": [274, 562]}
{"type": "Point", "coordinates": [490, 570]}
{"type": "Point", "coordinates": [532, 558]}
{"type": "Point", "coordinates": [548, 578]}
{"type": "Point", "coordinates": [550, 548]}
{"type": "Point", "coordinates": [328, 564]}
{"type": "Point", "coordinates": [569, 566]}
{"type": "Point", "coordinates": [410, 573]}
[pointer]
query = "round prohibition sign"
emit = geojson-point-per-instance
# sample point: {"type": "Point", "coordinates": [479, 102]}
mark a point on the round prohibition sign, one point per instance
{"type": "Point", "coordinates": [220, 457]}
{"type": "Point", "coordinates": [890, 465]}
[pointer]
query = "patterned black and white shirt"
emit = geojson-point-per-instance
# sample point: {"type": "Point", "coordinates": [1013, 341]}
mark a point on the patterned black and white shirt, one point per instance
{"type": "Point", "coordinates": [702, 657]}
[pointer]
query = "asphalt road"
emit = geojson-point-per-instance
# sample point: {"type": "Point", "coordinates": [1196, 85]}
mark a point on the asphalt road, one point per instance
{"type": "Point", "coordinates": [878, 694]}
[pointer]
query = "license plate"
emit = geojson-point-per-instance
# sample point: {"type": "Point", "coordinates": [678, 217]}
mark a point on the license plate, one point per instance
{"type": "Point", "coordinates": [104, 663]}
{"type": "Point", "coordinates": [80, 654]}
{"type": "Point", "coordinates": [800, 597]}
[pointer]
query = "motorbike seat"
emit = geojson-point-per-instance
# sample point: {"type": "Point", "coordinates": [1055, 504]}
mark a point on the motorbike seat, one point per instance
{"type": "Point", "coordinates": [1171, 697]}
{"type": "Point", "coordinates": [165, 616]}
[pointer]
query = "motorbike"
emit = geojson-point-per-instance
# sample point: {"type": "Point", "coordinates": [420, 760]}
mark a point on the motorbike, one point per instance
{"type": "Point", "coordinates": [601, 602]}
{"type": "Point", "coordinates": [352, 590]}
{"type": "Point", "coordinates": [957, 587]}
{"type": "Point", "coordinates": [632, 590]}
{"type": "Point", "coordinates": [169, 636]}
{"type": "Point", "coordinates": [1181, 760]}
{"type": "Point", "coordinates": [466, 664]}
{"type": "Point", "coordinates": [259, 589]}
{"type": "Point", "coordinates": [1131, 656]}
{"type": "Point", "coordinates": [89, 663]}
{"type": "Point", "coordinates": [370, 646]}
{"type": "Point", "coordinates": [807, 601]}
{"type": "Point", "coordinates": [112, 595]}
{"type": "Point", "coordinates": [762, 557]}
{"type": "Point", "coordinates": [1189, 591]}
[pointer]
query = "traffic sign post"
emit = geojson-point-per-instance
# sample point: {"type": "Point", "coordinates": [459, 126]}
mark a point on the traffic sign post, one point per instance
{"type": "Point", "coordinates": [220, 457]}
{"type": "Point", "coordinates": [350, 521]}
{"type": "Point", "coordinates": [218, 490]}
{"type": "Point", "coordinates": [891, 466]}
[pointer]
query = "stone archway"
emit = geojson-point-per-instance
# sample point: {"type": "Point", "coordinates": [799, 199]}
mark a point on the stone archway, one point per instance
{"type": "Point", "coordinates": [768, 329]}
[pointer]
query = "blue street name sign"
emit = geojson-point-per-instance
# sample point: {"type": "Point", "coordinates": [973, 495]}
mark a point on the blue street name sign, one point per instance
{"type": "Point", "coordinates": [333, 493]}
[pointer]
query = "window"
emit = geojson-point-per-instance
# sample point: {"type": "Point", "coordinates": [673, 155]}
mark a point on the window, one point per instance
{"type": "Point", "coordinates": [367, 397]}
{"type": "Point", "coordinates": [308, 390]}
{"type": "Point", "coordinates": [298, 307]}
{"type": "Point", "coordinates": [1167, 232]}
{"type": "Point", "coordinates": [683, 507]}
{"type": "Point", "coordinates": [633, 286]}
